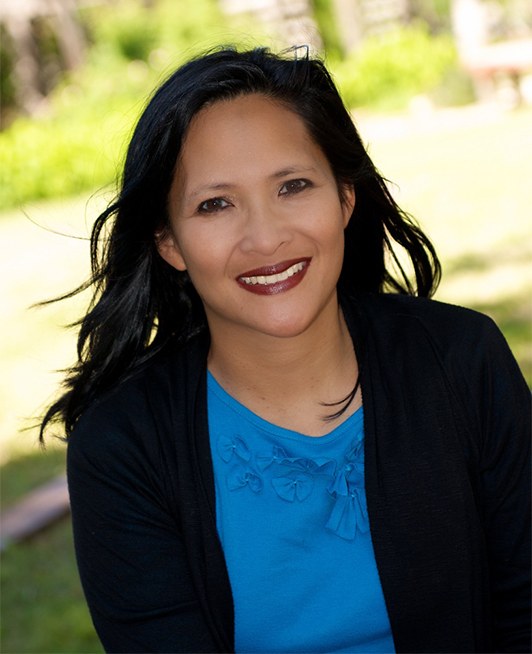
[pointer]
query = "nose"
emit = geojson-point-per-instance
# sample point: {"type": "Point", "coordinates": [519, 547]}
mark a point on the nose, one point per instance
{"type": "Point", "coordinates": [265, 229]}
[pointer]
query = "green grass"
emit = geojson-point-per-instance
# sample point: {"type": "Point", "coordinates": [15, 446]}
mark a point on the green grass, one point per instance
{"type": "Point", "coordinates": [26, 472]}
{"type": "Point", "coordinates": [42, 603]}
{"type": "Point", "coordinates": [465, 175]}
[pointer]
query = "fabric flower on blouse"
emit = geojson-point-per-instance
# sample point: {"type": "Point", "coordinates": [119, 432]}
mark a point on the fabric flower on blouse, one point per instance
{"type": "Point", "coordinates": [349, 513]}
{"type": "Point", "coordinates": [231, 447]}
{"type": "Point", "coordinates": [292, 479]}
{"type": "Point", "coordinates": [294, 486]}
{"type": "Point", "coordinates": [279, 456]}
{"type": "Point", "coordinates": [240, 477]}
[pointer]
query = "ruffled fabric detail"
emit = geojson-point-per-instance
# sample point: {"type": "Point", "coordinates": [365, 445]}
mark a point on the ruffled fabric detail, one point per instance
{"type": "Point", "coordinates": [296, 486]}
{"type": "Point", "coordinates": [228, 448]}
{"type": "Point", "coordinates": [349, 514]}
{"type": "Point", "coordinates": [293, 480]}
{"type": "Point", "coordinates": [320, 466]}
{"type": "Point", "coordinates": [241, 478]}
{"type": "Point", "coordinates": [279, 456]}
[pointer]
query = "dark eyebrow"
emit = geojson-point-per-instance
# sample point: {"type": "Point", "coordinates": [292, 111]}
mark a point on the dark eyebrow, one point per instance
{"type": "Point", "coordinates": [224, 186]}
{"type": "Point", "coordinates": [290, 170]}
{"type": "Point", "coordinates": [220, 186]}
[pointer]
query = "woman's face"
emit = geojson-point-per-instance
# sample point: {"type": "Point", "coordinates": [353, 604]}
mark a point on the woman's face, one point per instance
{"type": "Point", "coordinates": [256, 219]}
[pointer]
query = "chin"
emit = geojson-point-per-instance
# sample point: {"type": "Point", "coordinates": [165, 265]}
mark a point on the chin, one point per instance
{"type": "Point", "coordinates": [284, 328]}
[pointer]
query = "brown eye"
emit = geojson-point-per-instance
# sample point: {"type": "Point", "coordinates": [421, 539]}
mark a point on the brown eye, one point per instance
{"type": "Point", "coordinates": [213, 205]}
{"type": "Point", "coordinates": [294, 186]}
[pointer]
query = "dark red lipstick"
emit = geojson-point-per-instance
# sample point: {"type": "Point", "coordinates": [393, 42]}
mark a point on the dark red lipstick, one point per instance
{"type": "Point", "coordinates": [275, 278]}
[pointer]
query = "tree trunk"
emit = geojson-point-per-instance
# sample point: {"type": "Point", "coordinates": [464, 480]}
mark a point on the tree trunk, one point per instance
{"type": "Point", "coordinates": [290, 21]}
{"type": "Point", "coordinates": [26, 74]}
{"type": "Point", "coordinates": [348, 19]}
{"type": "Point", "coordinates": [69, 33]}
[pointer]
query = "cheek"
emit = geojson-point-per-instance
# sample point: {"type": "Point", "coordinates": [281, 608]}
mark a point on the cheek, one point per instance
{"type": "Point", "coordinates": [197, 265]}
{"type": "Point", "coordinates": [209, 243]}
{"type": "Point", "coordinates": [334, 240]}
{"type": "Point", "coordinates": [330, 226]}
{"type": "Point", "coordinates": [202, 254]}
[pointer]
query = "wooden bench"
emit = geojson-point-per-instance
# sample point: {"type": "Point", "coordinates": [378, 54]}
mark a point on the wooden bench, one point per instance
{"type": "Point", "coordinates": [34, 512]}
{"type": "Point", "coordinates": [509, 60]}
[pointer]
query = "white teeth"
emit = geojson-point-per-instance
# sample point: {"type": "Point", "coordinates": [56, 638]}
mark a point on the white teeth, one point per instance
{"type": "Point", "coordinates": [264, 280]}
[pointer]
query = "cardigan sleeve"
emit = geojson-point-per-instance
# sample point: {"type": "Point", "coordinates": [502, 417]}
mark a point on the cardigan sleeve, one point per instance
{"type": "Point", "coordinates": [130, 553]}
{"type": "Point", "coordinates": [498, 390]}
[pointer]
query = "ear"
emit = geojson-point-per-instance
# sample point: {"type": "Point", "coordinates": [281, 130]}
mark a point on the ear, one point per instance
{"type": "Point", "coordinates": [347, 196]}
{"type": "Point", "coordinates": [169, 250]}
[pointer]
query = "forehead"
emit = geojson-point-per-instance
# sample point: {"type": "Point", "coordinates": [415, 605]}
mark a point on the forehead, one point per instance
{"type": "Point", "coordinates": [248, 134]}
{"type": "Point", "coordinates": [231, 116]}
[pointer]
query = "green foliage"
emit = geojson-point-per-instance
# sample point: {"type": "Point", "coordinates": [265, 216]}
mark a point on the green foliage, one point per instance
{"type": "Point", "coordinates": [325, 18]}
{"type": "Point", "coordinates": [130, 30]}
{"type": "Point", "coordinates": [391, 67]}
{"type": "Point", "coordinates": [126, 29]}
{"type": "Point", "coordinates": [79, 144]}
{"type": "Point", "coordinates": [51, 159]}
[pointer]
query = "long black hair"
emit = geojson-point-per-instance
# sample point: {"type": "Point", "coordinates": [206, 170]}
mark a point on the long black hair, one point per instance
{"type": "Point", "coordinates": [140, 303]}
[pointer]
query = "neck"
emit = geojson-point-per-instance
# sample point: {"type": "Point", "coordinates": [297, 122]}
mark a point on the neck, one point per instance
{"type": "Point", "coordinates": [287, 380]}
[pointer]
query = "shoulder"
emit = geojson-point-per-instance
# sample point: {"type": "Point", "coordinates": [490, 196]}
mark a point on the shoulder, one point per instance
{"type": "Point", "coordinates": [411, 318]}
{"type": "Point", "coordinates": [421, 309]}
{"type": "Point", "coordinates": [137, 415]}
{"type": "Point", "coordinates": [114, 437]}
{"type": "Point", "coordinates": [404, 333]}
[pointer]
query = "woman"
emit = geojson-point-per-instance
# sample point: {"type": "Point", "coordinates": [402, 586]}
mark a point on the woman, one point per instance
{"type": "Point", "coordinates": [267, 452]}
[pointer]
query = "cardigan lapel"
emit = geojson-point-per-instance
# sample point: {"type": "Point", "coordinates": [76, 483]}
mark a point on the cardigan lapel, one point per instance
{"type": "Point", "coordinates": [422, 514]}
{"type": "Point", "coordinates": [196, 491]}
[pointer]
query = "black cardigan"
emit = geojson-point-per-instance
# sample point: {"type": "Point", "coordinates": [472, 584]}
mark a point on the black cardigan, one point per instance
{"type": "Point", "coordinates": [447, 427]}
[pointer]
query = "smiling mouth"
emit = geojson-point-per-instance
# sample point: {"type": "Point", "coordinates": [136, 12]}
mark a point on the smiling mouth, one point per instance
{"type": "Point", "coordinates": [276, 278]}
{"type": "Point", "coordinates": [273, 279]}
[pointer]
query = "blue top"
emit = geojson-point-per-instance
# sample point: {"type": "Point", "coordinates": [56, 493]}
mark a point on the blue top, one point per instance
{"type": "Point", "coordinates": [292, 519]}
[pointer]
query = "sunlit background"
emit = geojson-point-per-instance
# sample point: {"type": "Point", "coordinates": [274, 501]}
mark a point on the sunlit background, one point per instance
{"type": "Point", "coordinates": [441, 91]}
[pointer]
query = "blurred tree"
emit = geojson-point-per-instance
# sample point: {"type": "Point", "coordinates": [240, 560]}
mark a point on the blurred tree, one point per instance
{"type": "Point", "coordinates": [329, 27]}
{"type": "Point", "coordinates": [357, 19]}
{"type": "Point", "coordinates": [70, 35]}
{"type": "Point", "coordinates": [21, 57]}
{"type": "Point", "coordinates": [290, 21]}
{"type": "Point", "coordinates": [348, 17]}
{"type": "Point", "coordinates": [22, 51]}
{"type": "Point", "coordinates": [435, 13]}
